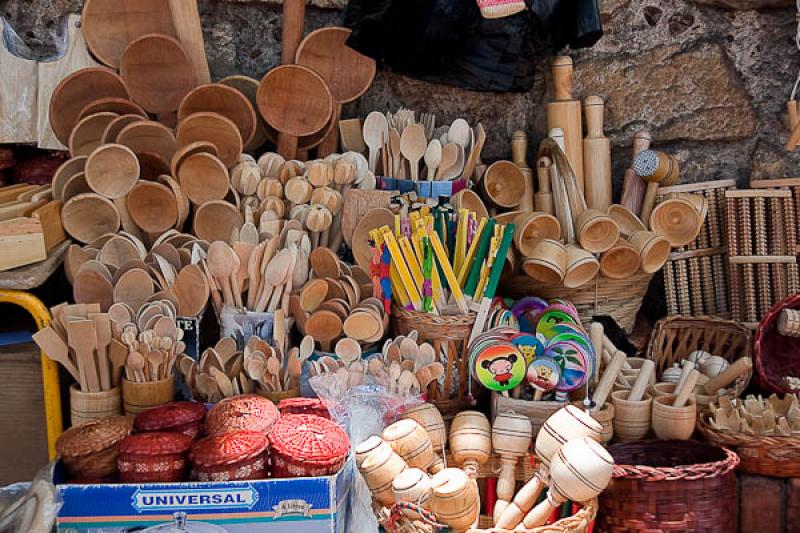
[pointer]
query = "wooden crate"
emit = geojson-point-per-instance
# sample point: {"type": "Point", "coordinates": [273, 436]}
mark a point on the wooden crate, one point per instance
{"type": "Point", "coordinates": [696, 275]}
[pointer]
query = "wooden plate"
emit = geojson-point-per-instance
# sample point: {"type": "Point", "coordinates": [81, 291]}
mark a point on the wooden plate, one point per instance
{"type": "Point", "coordinates": [120, 106]}
{"type": "Point", "coordinates": [109, 25]}
{"type": "Point", "coordinates": [213, 128]}
{"type": "Point", "coordinates": [77, 90]}
{"type": "Point", "coordinates": [190, 149]}
{"type": "Point", "coordinates": [203, 177]}
{"type": "Point", "coordinates": [158, 72]}
{"type": "Point", "coordinates": [112, 170]}
{"type": "Point", "coordinates": [325, 263]}
{"type": "Point", "coordinates": [152, 206]}
{"type": "Point", "coordinates": [249, 87]}
{"type": "Point", "coordinates": [74, 186]}
{"type": "Point", "coordinates": [88, 216]}
{"type": "Point", "coordinates": [64, 172]}
{"type": "Point", "coordinates": [149, 136]}
{"type": "Point", "coordinates": [116, 125]}
{"type": "Point", "coordinates": [375, 218]}
{"type": "Point", "coordinates": [215, 220]}
{"type": "Point", "coordinates": [152, 165]}
{"type": "Point", "coordinates": [224, 100]}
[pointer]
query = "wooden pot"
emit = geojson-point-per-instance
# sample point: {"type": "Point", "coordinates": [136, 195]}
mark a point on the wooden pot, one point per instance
{"type": "Point", "coordinates": [454, 499]}
{"type": "Point", "coordinates": [548, 263]}
{"type": "Point", "coordinates": [582, 267]}
{"type": "Point", "coordinates": [413, 486]}
{"type": "Point", "coordinates": [511, 439]}
{"type": "Point", "coordinates": [470, 440]}
{"type": "Point", "coordinates": [653, 250]}
{"type": "Point", "coordinates": [673, 422]}
{"type": "Point", "coordinates": [604, 415]}
{"type": "Point", "coordinates": [533, 227]}
{"type": "Point", "coordinates": [430, 418]}
{"type": "Point", "coordinates": [380, 467]}
{"type": "Point", "coordinates": [85, 406]}
{"type": "Point", "coordinates": [141, 396]}
{"type": "Point", "coordinates": [410, 441]}
{"type": "Point", "coordinates": [596, 231]}
{"type": "Point", "coordinates": [631, 418]}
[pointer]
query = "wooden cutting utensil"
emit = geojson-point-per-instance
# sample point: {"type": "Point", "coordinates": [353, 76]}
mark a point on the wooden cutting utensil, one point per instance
{"type": "Point", "coordinates": [413, 145]}
{"type": "Point", "coordinates": [56, 349]}
{"type": "Point", "coordinates": [81, 338]}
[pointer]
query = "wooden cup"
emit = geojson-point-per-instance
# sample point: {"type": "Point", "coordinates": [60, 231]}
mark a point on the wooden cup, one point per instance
{"type": "Point", "coordinates": [631, 418]}
{"type": "Point", "coordinates": [533, 227]}
{"type": "Point", "coordinates": [627, 222]}
{"type": "Point", "coordinates": [596, 231]}
{"type": "Point", "coordinates": [548, 262]}
{"type": "Point", "coordinates": [671, 422]}
{"type": "Point", "coordinates": [503, 184]}
{"type": "Point", "coordinates": [621, 261]}
{"type": "Point", "coordinates": [141, 396]}
{"type": "Point", "coordinates": [582, 267]}
{"type": "Point", "coordinates": [653, 250]}
{"type": "Point", "coordinates": [664, 389]}
{"type": "Point", "coordinates": [678, 220]}
{"type": "Point", "coordinates": [86, 406]}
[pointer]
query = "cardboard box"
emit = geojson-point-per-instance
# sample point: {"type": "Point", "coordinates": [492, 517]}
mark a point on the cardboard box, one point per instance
{"type": "Point", "coordinates": [298, 505]}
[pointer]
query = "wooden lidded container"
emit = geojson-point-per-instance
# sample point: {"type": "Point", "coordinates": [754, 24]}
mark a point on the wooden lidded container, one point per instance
{"type": "Point", "coordinates": [411, 442]}
{"type": "Point", "coordinates": [380, 467]}
{"type": "Point", "coordinates": [470, 440]}
{"type": "Point", "coordinates": [141, 396]}
{"type": "Point", "coordinates": [565, 424]}
{"type": "Point", "coordinates": [511, 439]}
{"type": "Point", "coordinates": [86, 406]}
{"type": "Point", "coordinates": [413, 486]}
{"type": "Point", "coordinates": [454, 499]}
{"type": "Point", "coordinates": [631, 418]}
{"type": "Point", "coordinates": [430, 418]}
{"type": "Point", "coordinates": [673, 423]}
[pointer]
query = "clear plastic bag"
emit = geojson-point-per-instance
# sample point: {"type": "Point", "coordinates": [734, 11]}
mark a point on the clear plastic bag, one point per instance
{"type": "Point", "coordinates": [30, 507]}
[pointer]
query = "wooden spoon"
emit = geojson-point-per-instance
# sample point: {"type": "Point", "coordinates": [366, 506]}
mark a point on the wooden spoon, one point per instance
{"type": "Point", "coordinates": [459, 133]}
{"type": "Point", "coordinates": [449, 159]}
{"type": "Point", "coordinates": [433, 157]}
{"type": "Point", "coordinates": [413, 146]}
{"type": "Point", "coordinates": [274, 274]}
{"type": "Point", "coordinates": [222, 267]}
{"type": "Point", "coordinates": [82, 339]}
{"type": "Point", "coordinates": [376, 131]}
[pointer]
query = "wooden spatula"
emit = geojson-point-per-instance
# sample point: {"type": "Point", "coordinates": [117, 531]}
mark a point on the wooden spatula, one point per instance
{"type": "Point", "coordinates": [82, 339]}
{"type": "Point", "coordinates": [102, 327]}
{"type": "Point", "coordinates": [117, 353]}
{"type": "Point", "coordinates": [56, 349]}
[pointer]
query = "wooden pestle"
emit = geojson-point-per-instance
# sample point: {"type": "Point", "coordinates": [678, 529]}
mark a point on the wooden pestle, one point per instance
{"type": "Point", "coordinates": [660, 170]}
{"type": "Point", "coordinates": [610, 374]}
{"type": "Point", "coordinates": [686, 368]}
{"type": "Point", "coordinates": [519, 153]}
{"type": "Point", "coordinates": [684, 393]}
{"type": "Point", "coordinates": [543, 199]}
{"type": "Point", "coordinates": [729, 375]}
{"type": "Point", "coordinates": [633, 186]}
{"type": "Point", "coordinates": [596, 156]}
{"type": "Point", "coordinates": [565, 113]}
{"type": "Point", "coordinates": [610, 348]}
{"type": "Point", "coordinates": [596, 334]}
{"type": "Point", "coordinates": [642, 381]}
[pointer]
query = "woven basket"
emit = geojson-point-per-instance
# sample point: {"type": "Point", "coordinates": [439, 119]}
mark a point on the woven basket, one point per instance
{"type": "Point", "coordinates": [674, 338]}
{"type": "Point", "coordinates": [775, 354]}
{"type": "Point", "coordinates": [577, 523]}
{"type": "Point", "coordinates": [449, 336]}
{"type": "Point", "coordinates": [618, 298]}
{"type": "Point", "coordinates": [765, 456]}
{"type": "Point", "coordinates": [669, 486]}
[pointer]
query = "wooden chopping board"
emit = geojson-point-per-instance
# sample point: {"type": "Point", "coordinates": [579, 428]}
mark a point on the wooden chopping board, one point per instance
{"type": "Point", "coordinates": [18, 87]}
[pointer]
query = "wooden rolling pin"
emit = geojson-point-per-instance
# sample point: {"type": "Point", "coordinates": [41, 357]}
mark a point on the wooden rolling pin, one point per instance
{"type": "Point", "coordinates": [642, 381]}
{"type": "Point", "coordinates": [687, 390]}
{"type": "Point", "coordinates": [565, 113]}
{"type": "Point", "coordinates": [596, 156]}
{"type": "Point", "coordinates": [607, 380]}
{"type": "Point", "coordinates": [633, 186]}
{"type": "Point", "coordinates": [729, 375]}
{"type": "Point", "coordinates": [660, 170]}
{"type": "Point", "coordinates": [544, 198]}
{"type": "Point", "coordinates": [519, 154]}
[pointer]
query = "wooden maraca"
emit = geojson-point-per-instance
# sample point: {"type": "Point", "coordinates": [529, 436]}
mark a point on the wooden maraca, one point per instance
{"type": "Point", "coordinates": [470, 440]}
{"type": "Point", "coordinates": [565, 424]}
{"type": "Point", "coordinates": [429, 417]}
{"type": "Point", "coordinates": [511, 438]}
{"type": "Point", "coordinates": [454, 499]}
{"type": "Point", "coordinates": [410, 441]}
{"type": "Point", "coordinates": [580, 471]}
{"type": "Point", "coordinates": [660, 170]}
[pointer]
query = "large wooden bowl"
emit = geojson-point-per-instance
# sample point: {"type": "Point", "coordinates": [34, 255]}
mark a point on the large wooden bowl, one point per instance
{"type": "Point", "coordinates": [152, 206]}
{"type": "Point", "coordinates": [213, 128]}
{"type": "Point", "coordinates": [224, 100]}
{"type": "Point", "coordinates": [88, 216]}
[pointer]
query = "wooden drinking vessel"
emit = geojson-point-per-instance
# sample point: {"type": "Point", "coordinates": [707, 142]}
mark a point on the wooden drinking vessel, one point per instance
{"type": "Point", "coordinates": [596, 231]}
{"type": "Point", "coordinates": [454, 499]}
{"type": "Point", "coordinates": [85, 406]}
{"type": "Point", "coordinates": [411, 442]}
{"type": "Point", "coordinates": [548, 263]}
{"type": "Point", "coordinates": [653, 250]}
{"type": "Point", "coordinates": [670, 422]}
{"type": "Point", "coordinates": [678, 220]}
{"type": "Point", "coordinates": [621, 261]}
{"type": "Point", "coordinates": [582, 267]}
{"type": "Point", "coordinates": [470, 440]}
{"type": "Point", "coordinates": [631, 418]}
{"type": "Point", "coordinates": [141, 396]}
{"type": "Point", "coordinates": [503, 184]}
{"type": "Point", "coordinates": [429, 417]}
{"type": "Point", "coordinates": [533, 227]}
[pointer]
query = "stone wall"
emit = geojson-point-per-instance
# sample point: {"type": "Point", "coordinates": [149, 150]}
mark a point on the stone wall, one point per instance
{"type": "Point", "coordinates": [709, 77]}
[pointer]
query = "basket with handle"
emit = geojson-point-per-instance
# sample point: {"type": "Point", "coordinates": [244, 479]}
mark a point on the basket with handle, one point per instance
{"type": "Point", "coordinates": [776, 354]}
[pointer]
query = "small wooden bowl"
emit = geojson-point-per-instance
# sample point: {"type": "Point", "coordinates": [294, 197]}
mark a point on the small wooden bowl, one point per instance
{"type": "Point", "coordinates": [152, 206]}
{"type": "Point", "coordinates": [469, 200]}
{"type": "Point", "coordinates": [653, 250]}
{"type": "Point", "coordinates": [149, 136]}
{"type": "Point", "coordinates": [88, 216]}
{"type": "Point", "coordinates": [203, 177]}
{"type": "Point", "coordinates": [620, 261]}
{"type": "Point", "coordinates": [112, 170]}
{"type": "Point", "coordinates": [63, 173]}
{"type": "Point", "coordinates": [120, 106]}
{"type": "Point", "coordinates": [74, 186]}
{"type": "Point", "coordinates": [673, 422]}
{"type": "Point", "coordinates": [215, 220]}
{"type": "Point", "coordinates": [503, 184]}
{"type": "Point", "coordinates": [214, 128]}
{"type": "Point", "coordinates": [158, 72]}
{"type": "Point", "coordinates": [223, 100]}
{"type": "Point", "coordinates": [596, 231]}
{"type": "Point", "coordinates": [191, 149]}
{"type": "Point", "coordinates": [152, 165]}
{"type": "Point", "coordinates": [183, 202]}
{"type": "Point", "coordinates": [678, 220]}
{"type": "Point", "coordinates": [88, 133]}
{"type": "Point", "coordinates": [548, 262]}
{"type": "Point", "coordinates": [533, 227]}
{"type": "Point", "coordinates": [582, 267]}
{"type": "Point", "coordinates": [116, 125]}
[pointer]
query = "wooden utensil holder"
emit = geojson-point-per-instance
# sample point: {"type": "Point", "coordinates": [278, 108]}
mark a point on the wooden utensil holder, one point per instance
{"type": "Point", "coordinates": [277, 396]}
{"type": "Point", "coordinates": [85, 406]}
{"type": "Point", "coordinates": [673, 423]}
{"type": "Point", "coordinates": [141, 396]}
{"type": "Point", "coordinates": [631, 418]}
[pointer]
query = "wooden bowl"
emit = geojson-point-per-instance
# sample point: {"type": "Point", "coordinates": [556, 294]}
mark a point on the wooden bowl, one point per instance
{"type": "Point", "coordinates": [74, 186]}
{"type": "Point", "coordinates": [120, 106]}
{"type": "Point", "coordinates": [678, 220]}
{"type": "Point", "coordinates": [503, 184]}
{"type": "Point", "coordinates": [673, 422]}
{"type": "Point", "coordinates": [203, 177]}
{"type": "Point", "coordinates": [620, 261]}
{"type": "Point", "coordinates": [596, 231]}
{"type": "Point", "coordinates": [183, 201]}
{"type": "Point", "coordinates": [213, 128]}
{"type": "Point", "coordinates": [469, 200]}
{"type": "Point", "coordinates": [582, 267]}
{"type": "Point", "coordinates": [152, 206]}
{"type": "Point", "coordinates": [295, 100]}
{"type": "Point", "coordinates": [149, 136]}
{"type": "Point", "coordinates": [112, 170]}
{"type": "Point", "coordinates": [249, 88]}
{"type": "Point", "coordinates": [63, 173]}
{"type": "Point", "coordinates": [548, 262]}
{"type": "Point", "coordinates": [627, 222]}
{"type": "Point", "coordinates": [215, 220]}
{"type": "Point", "coordinates": [77, 90]}
{"type": "Point", "coordinates": [116, 125]}
{"type": "Point", "coordinates": [223, 100]}
{"type": "Point", "coordinates": [653, 250]}
{"type": "Point", "coordinates": [191, 149]}
{"type": "Point", "coordinates": [88, 133]}
{"type": "Point", "coordinates": [152, 165]}
{"type": "Point", "coordinates": [158, 72]}
{"type": "Point", "coordinates": [88, 216]}
{"type": "Point", "coordinates": [533, 227]}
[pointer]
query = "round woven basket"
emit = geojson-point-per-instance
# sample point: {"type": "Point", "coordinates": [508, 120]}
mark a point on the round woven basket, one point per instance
{"type": "Point", "coordinates": [765, 456]}
{"type": "Point", "coordinates": [449, 336]}
{"type": "Point", "coordinates": [618, 298]}
{"type": "Point", "coordinates": [671, 485]}
{"type": "Point", "coordinates": [775, 354]}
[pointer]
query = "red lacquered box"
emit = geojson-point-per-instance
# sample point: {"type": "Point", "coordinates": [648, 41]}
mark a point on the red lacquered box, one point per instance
{"type": "Point", "coordinates": [230, 456]}
{"type": "Point", "coordinates": [303, 406]}
{"type": "Point", "coordinates": [248, 412]}
{"type": "Point", "coordinates": [90, 450]}
{"type": "Point", "coordinates": [307, 445]}
{"type": "Point", "coordinates": [174, 417]}
{"type": "Point", "coordinates": [153, 457]}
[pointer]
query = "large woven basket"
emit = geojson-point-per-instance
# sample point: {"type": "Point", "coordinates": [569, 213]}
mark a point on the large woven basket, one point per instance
{"type": "Point", "coordinates": [776, 354]}
{"type": "Point", "coordinates": [765, 456]}
{"type": "Point", "coordinates": [577, 523]}
{"type": "Point", "coordinates": [675, 337]}
{"type": "Point", "coordinates": [618, 298]}
{"type": "Point", "coordinates": [670, 486]}
{"type": "Point", "coordinates": [449, 336]}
